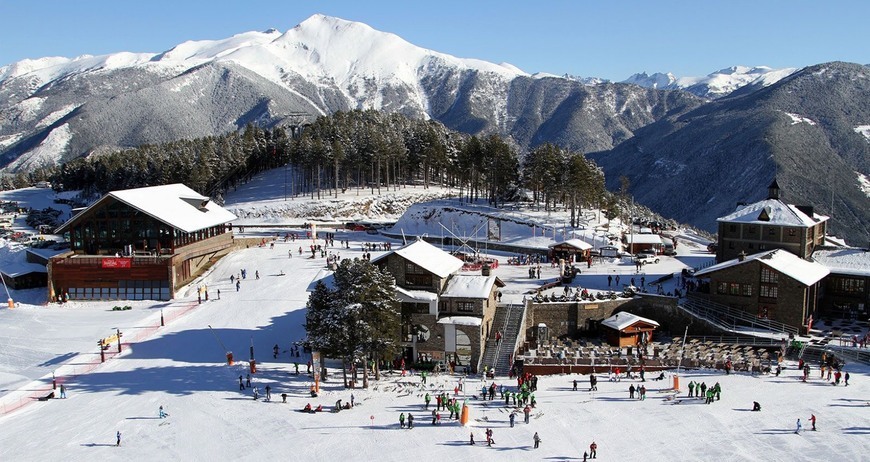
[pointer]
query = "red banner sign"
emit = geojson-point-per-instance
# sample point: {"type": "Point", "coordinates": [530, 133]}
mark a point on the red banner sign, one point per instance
{"type": "Point", "coordinates": [117, 263]}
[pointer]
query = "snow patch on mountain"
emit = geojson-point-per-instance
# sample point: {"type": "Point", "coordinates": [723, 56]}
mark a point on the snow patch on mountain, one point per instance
{"type": "Point", "coordinates": [56, 115]}
{"type": "Point", "coordinates": [796, 119]}
{"type": "Point", "coordinates": [9, 140]}
{"type": "Point", "coordinates": [48, 153]}
{"type": "Point", "coordinates": [863, 130]}
{"type": "Point", "coordinates": [864, 181]}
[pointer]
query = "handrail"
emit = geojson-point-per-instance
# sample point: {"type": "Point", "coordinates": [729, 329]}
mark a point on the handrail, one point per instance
{"type": "Point", "coordinates": [703, 307]}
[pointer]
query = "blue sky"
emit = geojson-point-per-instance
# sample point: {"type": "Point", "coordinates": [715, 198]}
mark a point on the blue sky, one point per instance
{"type": "Point", "coordinates": [591, 39]}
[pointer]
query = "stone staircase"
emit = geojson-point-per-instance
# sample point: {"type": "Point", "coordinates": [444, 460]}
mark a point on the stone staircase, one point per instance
{"type": "Point", "coordinates": [507, 319]}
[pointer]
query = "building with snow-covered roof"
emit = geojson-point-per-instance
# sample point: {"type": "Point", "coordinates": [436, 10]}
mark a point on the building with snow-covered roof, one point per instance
{"type": "Point", "coordinates": [847, 288]}
{"type": "Point", "coordinates": [447, 315]}
{"type": "Point", "coordinates": [638, 242]}
{"type": "Point", "coordinates": [139, 244]}
{"type": "Point", "coordinates": [627, 329]}
{"type": "Point", "coordinates": [571, 250]}
{"type": "Point", "coordinates": [775, 285]}
{"type": "Point", "coordinates": [770, 224]}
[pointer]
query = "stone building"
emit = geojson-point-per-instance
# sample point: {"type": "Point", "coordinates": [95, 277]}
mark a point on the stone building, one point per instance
{"type": "Point", "coordinates": [774, 285]}
{"type": "Point", "coordinates": [847, 288]}
{"type": "Point", "coordinates": [770, 224]}
{"type": "Point", "coordinates": [139, 244]}
{"type": "Point", "coordinates": [446, 315]}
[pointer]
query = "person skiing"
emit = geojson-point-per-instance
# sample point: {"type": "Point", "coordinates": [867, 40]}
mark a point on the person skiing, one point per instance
{"type": "Point", "coordinates": [275, 351]}
{"type": "Point", "coordinates": [593, 382]}
{"type": "Point", "coordinates": [691, 388]}
{"type": "Point", "coordinates": [472, 439]}
{"type": "Point", "coordinates": [813, 421]}
{"type": "Point", "coordinates": [428, 398]}
{"type": "Point", "coordinates": [512, 417]}
{"type": "Point", "coordinates": [631, 392]}
{"type": "Point", "coordinates": [410, 420]}
{"type": "Point", "coordinates": [402, 420]}
{"type": "Point", "coordinates": [537, 440]}
{"type": "Point", "coordinates": [489, 440]}
{"type": "Point", "coordinates": [268, 393]}
{"type": "Point", "coordinates": [575, 385]}
{"type": "Point", "coordinates": [248, 381]}
{"type": "Point", "coordinates": [63, 390]}
{"type": "Point", "coordinates": [118, 438]}
{"type": "Point", "coordinates": [161, 413]}
{"type": "Point", "coordinates": [798, 427]}
{"type": "Point", "coordinates": [256, 394]}
{"type": "Point", "coordinates": [845, 378]}
{"type": "Point", "coordinates": [527, 410]}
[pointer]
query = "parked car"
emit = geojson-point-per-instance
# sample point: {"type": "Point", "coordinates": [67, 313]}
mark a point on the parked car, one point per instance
{"type": "Point", "coordinates": [646, 256]}
{"type": "Point", "coordinates": [712, 247]}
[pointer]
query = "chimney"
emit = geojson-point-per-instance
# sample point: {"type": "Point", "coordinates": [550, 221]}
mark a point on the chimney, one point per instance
{"type": "Point", "coordinates": [806, 209]}
{"type": "Point", "coordinates": [741, 256]}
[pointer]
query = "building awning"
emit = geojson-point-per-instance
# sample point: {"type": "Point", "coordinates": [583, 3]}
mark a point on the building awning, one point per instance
{"type": "Point", "coordinates": [461, 321]}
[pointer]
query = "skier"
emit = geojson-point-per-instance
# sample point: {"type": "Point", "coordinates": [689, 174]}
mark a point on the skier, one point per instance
{"type": "Point", "coordinates": [813, 421]}
{"type": "Point", "coordinates": [797, 429]}
{"type": "Point", "coordinates": [428, 398]}
{"type": "Point", "coordinates": [513, 417]}
{"type": "Point", "coordinates": [489, 440]}
{"type": "Point", "coordinates": [257, 274]}
{"type": "Point", "coordinates": [268, 393]}
{"type": "Point", "coordinates": [472, 439]}
{"type": "Point", "coordinates": [63, 390]}
{"type": "Point", "coordinates": [537, 440]}
{"type": "Point", "coordinates": [402, 420]}
{"type": "Point", "coordinates": [575, 385]}
{"type": "Point", "coordinates": [351, 400]}
{"type": "Point", "coordinates": [118, 439]}
{"type": "Point", "coordinates": [845, 378]}
{"type": "Point", "coordinates": [161, 413]}
{"type": "Point", "coordinates": [593, 383]}
{"type": "Point", "coordinates": [527, 410]}
{"type": "Point", "coordinates": [631, 392]}
{"type": "Point", "coordinates": [691, 388]}
{"type": "Point", "coordinates": [275, 351]}
{"type": "Point", "coordinates": [248, 381]}
{"type": "Point", "coordinates": [241, 384]}
{"type": "Point", "coordinates": [256, 394]}
{"type": "Point", "coordinates": [593, 448]}
{"type": "Point", "coordinates": [410, 420]}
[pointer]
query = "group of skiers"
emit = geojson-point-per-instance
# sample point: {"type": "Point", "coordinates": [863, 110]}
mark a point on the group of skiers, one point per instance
{"type": "Point", "coordinates": [701, 391]}
{"type": "Point", "coordinates": [641, 392]}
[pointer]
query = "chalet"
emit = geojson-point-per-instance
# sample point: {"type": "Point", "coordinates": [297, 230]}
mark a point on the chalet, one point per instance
{"type": "Point", "coordinates": [638, 242]}
{"type": "Point", "coordinates": [572, 250]}
{"type": "Point", "coordinates": [139, 244]}
{"type": "Point", "coordinates": [770, 224]}
{"type": "Point", "coordinates": [846, 290]}
{"type": "Point", "coordinates": [446, 315]}
{"type": "Point", "coordinates": [774, 285]}
{"type": "Point", "coordinates": [626, 329]}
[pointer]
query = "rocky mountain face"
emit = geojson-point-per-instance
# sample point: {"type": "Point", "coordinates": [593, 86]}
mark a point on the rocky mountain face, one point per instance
{"type": "Point", "coordinates": [809, 130]}
{"type": "Point", "coordinates": [55, 109]}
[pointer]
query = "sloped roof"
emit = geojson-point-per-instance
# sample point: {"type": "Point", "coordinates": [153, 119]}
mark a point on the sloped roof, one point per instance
{"type": "Point", "coordinates": [778, 213]}
{"type": "Point", "coordinates": [576, 243]}
{"type": "Point", "coordinates": [417, 295]}
{"type": "Point", "coordinates": [324, 275]}
{"type": "Point", "coordinates": [13, 270]}
{"type": "Point", "coordinates": [643, 239]}
{"type": "Point", "coordinates": [461, 320]}
{"type": "Point", "coordinates": [470, 286]}
{"type": "Point", "coordinates": [847, 260]}
{"type": "Point", "coordinates": [173, 204]}
{"type": "Point", "coordinates": [783, 261]}
{"type": "Point", "coordinates": [428, 257]}
{"type": "Point", "coordinates": [620, 321]}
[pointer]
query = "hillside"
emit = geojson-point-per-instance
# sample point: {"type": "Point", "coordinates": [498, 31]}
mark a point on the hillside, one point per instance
{"type": "Point", "coordinates": [805, 130]}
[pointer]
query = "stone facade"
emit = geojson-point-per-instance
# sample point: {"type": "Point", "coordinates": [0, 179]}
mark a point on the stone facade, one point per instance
{"type": "Point", "coordinates": [739, 287]}
{"type": "Point", "coordinates": [750, 238]}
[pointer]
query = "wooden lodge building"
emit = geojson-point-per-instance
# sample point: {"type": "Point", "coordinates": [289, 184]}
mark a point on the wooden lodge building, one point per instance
{"type": "Point", "coordinates": [627, 330]}
{"type": "Point", "coordinates": [139, 244]}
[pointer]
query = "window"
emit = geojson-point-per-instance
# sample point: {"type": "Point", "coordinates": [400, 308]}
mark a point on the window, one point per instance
{"type": "Point", "coordinates": [734, 288]}
{"type": "Point", "coordinates": [747, 290]}
{"type": "Point", "coordinates": [411, 268]}
{"type": "Point", "coordinates": [849, 285]}
{"type": "Point", "coordinates": [465, 307]}
{"type": "Point", "coordinates": [769, 276]}
{"type": "Point", "coordinates": [771, 232]}
{"type": "Point", "coordinates": [792, 232]}
{"type": "Point", "coordinates": [418, 280]}
{"type": "Point", "coordinates": [767, 291]}
{"type": "Point", "coordinates": [722, 288]}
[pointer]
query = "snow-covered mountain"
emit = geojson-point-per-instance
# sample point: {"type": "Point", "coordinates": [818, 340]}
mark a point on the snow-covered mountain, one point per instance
{"type": "Point", "coordinates": [714, 85]}
{"type": "Point", "coordinates": [54, 109]}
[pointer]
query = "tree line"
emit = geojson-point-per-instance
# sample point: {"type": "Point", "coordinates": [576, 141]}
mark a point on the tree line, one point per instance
{"type": "Point", "coordinates": [361, 149]}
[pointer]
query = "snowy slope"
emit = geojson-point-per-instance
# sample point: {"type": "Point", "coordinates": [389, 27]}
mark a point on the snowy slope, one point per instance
{"type": "Point", "coordinates": [181, 367]}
